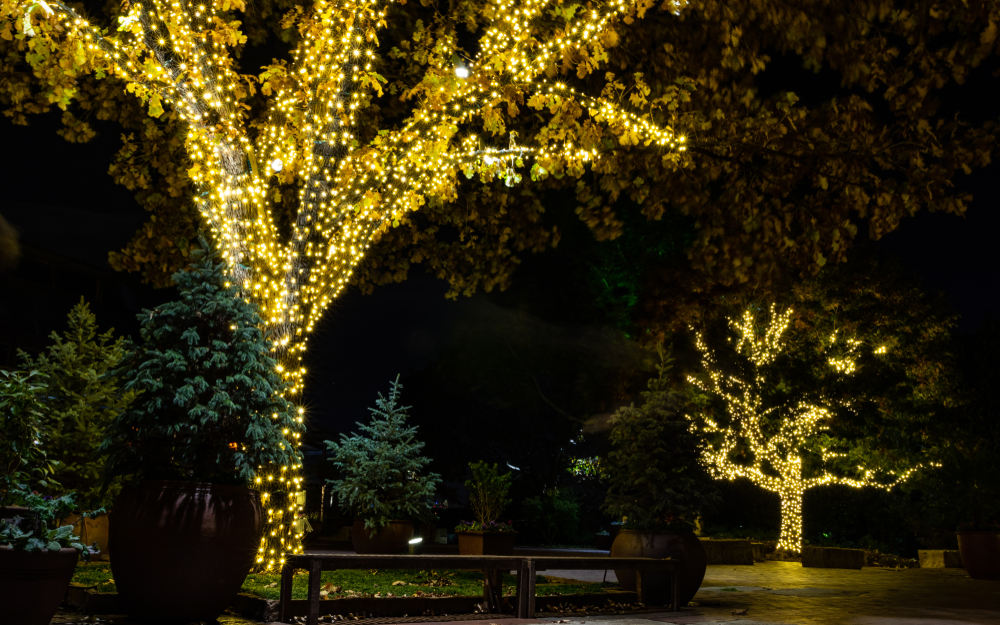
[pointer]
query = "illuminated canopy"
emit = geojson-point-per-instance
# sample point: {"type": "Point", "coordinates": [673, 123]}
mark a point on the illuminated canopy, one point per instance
{"type": "Point", "coordinates": [779, 436]}
{"type": "Point", "coordinates": [176, 52]}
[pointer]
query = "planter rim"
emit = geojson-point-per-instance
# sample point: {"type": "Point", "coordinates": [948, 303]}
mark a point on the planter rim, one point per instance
{"type": "Point", "coordinates": [193, 486]}
{"type": "Point", "coordinates": [42, 553]}
{"type": "Point", "coordinates": [479, 532]}
{"type": "Point", "coordinates": [978, 532]}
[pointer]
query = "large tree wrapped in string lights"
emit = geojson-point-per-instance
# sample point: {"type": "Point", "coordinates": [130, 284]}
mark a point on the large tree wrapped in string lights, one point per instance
{"type": "Point", "coordinates": [774, 415]}
{"type": "Point", "coordinates": [177, 53]}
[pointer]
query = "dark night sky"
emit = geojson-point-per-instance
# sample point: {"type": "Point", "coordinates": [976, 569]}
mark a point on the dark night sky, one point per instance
{"type": "Point", "coordinates": [363, 342]}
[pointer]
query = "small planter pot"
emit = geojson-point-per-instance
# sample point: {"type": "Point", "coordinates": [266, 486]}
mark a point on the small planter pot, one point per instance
{"type": "Point", "coordinates": [486, 543]}
{"type": "Point", "coordinates": [980, 553]}
{"type": "Point", "coordinates": [684, 546]}
{"type": "Point", "coordinates": [183, 549]}
{"type": "Point", "coordinates": [32, 585]}
{"type": "Point", "coordinates": [391, 539]}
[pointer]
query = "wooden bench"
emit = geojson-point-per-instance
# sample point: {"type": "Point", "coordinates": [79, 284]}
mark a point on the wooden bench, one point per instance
{"type": "Point", "coordinates": [525, 567]}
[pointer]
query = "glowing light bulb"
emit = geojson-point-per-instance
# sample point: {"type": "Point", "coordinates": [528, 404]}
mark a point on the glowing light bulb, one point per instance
{"type": "Point", "coordinates": [276, 165]}
{"type": "Point", "coordinates": [461, 72]}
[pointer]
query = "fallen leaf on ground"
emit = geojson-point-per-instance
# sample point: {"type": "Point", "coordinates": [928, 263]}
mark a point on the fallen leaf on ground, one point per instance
{"type": "Point", "coordinates": [743, 611]}
{"type": "Point", "coordinates": [271, 585]}
{"type": "Point", "coordinates": [399, 583]}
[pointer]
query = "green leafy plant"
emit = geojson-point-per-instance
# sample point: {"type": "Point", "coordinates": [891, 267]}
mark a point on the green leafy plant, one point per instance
{"type": "Point", "coordinates": [21, 458]}
{"type": "Point", "coordinates": [656, 479]}
{"type": "Point", "coordinates": [25, 465]}
{"type": "Point", "coordinates": [478, 526]}
{"type": "Point", "coordinates": [488, 490]}
{"type": "Point", "coordinates": [381, 469]}
{"type": "Point", "coordinates": [42, 538]}
{"type": "Point", "coordinates": [210, 408]}
{"type": "Point", "coordinates": [81, 397]}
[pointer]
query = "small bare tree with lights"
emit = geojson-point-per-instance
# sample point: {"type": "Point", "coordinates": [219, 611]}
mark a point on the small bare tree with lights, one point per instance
{"type": "Point", "coordinates": [780, 439]}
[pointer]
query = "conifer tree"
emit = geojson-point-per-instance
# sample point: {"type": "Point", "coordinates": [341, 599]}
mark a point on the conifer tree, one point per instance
{"type": "Point", "coordinates": [211, 408]}
{"type": "Point", "coordinates": [81, 397]}
{"type": "Point", "coordinates": [656, 477]}
{"type": "Point", "coordinates": [381, 468]}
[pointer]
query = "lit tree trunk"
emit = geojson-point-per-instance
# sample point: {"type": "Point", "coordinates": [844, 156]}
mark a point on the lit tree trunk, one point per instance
{"type": "Point", "coordinates": [791, 517]}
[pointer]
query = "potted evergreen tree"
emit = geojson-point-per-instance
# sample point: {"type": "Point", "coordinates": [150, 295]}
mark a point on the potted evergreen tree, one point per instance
{"type": "Point", "coordinates": [209, 414]}
{"type": "Point", "coordinates": [36, 562]}
{"type": "Point", "coordinates": [487, 498]}
{"type": "Point", "coordinates": [381, 483]}
{"type": "Point", "coordinates": [658, 486]}
{"type": "Point", "coordinates": [81, 396]}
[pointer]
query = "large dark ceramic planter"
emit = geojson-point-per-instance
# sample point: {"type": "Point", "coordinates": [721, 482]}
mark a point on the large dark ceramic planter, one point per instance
{"type": "Point", "coordinates": [486, 543]}
{"type": "Point", "coordinates": [980, 553]}
{"type": "Point", "coordinates": [683, 546]}
{"type": "Point", "coordinates": [183, 549]}
{"type": "Point", "coordinates": [391, 539]}
{"type": "Point", "coordinates": [33, 584]}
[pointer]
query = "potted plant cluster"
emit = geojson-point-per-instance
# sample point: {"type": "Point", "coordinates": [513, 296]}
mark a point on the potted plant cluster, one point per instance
{"type": "Point", "coordinates": [488, 490]}
{"type": "Point", "coordinates": [382, 482]}
{"type": "Point", "coordinates": [36, 562]}
{"type": "Point", "coordinates": [187, 526]}
{"type": "Point", "coordinates": [658, 486]}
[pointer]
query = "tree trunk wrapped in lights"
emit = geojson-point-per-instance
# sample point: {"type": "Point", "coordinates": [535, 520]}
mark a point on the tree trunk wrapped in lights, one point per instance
{"type": "Point", "coordinates": [176, 53]}
{"type": "Point", "coordinates": [781, 440]}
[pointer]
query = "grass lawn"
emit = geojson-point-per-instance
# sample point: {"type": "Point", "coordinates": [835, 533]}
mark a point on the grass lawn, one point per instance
{"type": "Point", "coordinates": [359, 583]}
{"type": "Point", "coordinates": [402, 583]}
{"type": "Point", "coordinates": [96, 574]}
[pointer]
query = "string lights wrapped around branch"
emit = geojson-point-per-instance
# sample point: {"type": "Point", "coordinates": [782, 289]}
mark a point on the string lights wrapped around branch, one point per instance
{"type": "Point", "coordinates": [177, 53]}
{"type": "Point", "coordinates": [779, 436]}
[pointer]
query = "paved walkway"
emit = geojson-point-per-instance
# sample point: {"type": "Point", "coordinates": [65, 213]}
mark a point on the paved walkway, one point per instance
{"type": "Point", "coordinates": [784, 593]}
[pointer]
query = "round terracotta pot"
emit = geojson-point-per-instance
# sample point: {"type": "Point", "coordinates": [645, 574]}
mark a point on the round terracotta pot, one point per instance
{"type": "Point", "coordinates": [183, 549]}
{"type": "Point", "coordinates": [32, 585]}
{"type": "Point", "coordinates": [980, 553]}
{"type": "Point", "coordinates": [391, 539]}
{"type": "Point", "coordinates": [684, 546]}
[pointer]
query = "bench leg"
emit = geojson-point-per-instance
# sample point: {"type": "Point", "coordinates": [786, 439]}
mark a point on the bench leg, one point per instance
{"type": "Point", "coordinates": [285, 594]}
{"type": "Point", "coordinates": [529, 595]}
{"type": "Point", "coordinates": [675, 578]}
{"type": "Point", "coordinates": [522, 590]}
{"type": "Point", "coordinates": [638, 587]}
{"type": "Point", "coordinates": [493, 590]}
{"type": "Point", "coordinates": [518, 593]}
{"type": "Point", "coordinates": [315, 581]}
